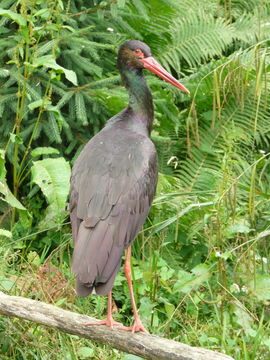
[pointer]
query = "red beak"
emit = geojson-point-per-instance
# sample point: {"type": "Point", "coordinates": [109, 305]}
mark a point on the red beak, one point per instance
{"type": "Point", "coordinates": [151, 64]}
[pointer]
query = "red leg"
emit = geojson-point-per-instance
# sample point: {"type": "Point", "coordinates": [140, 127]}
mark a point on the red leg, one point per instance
{"type": "Point", "coordinates": [137, 326]}
{"type": "Point", "coordinates": [109, 321]}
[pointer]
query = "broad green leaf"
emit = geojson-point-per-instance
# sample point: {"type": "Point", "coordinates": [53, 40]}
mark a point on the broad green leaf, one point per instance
{"type": "Point", "coordinates": [9, 197]}
{"type": "Point", "coordinates": [43, 13]}
{"type": "Point", "coordinates": [137, 273]}
{"type": "Point", "coordinates": [6, 284]}
{"type": "Point", "coordinates": [266, 342]}
{"type": "Point", "coordinates": [52, 176]}
{"type": "Point", "coordinates": [239, 228]}
{"type": "Point", "coordinates": [70, 75]}
{"type": "Point", "coordinates": [85, 352]}
{"type": "Point", "coordinates": [261, 287]}
{"type": "Point", "coordinates": [16, 138]}
{"type": "Point", "coordinates": [184, 279]}
{"type": "Point", "coordinates": [132, 357]}
{"type": "Point", "coordinates": [166, 273]}
{"type": "Point", "coordinates": [44, 151]}
{"type": "Point", "coordinates": [5, 233]}
{"type": "Point", "coordinates": [201, 270]}
{"type": "Point", "coordinates": [33, 258]}
{"type": "Point", "coordinates": [188, 282]}
{"type": "Point", "coordinates": [4, 189]}
{"type": "Point", "coordinates": [61, 301]}
{"type": "Point", "coordinates": [49, 62]}
{"type": "Point", "coordinates": [146, 306]}
{"type": "Point", "coordinates": [169, 308]}
{"type": "Point", "coordinates": [243, 319]}
{"type": "Point", "coordinates": [19, 19]}
{"type": "Point", "coordinates": [46, 60]}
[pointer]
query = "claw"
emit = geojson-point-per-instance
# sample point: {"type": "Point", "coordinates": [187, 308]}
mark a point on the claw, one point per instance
{"type": "Point", "coordinates": [136, 327]}
{"type": "Point", "coordinates": [109, 321]}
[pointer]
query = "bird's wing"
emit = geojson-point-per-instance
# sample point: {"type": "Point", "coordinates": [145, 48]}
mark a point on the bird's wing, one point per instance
{"type": "Point", "coordinates": [112, 187]}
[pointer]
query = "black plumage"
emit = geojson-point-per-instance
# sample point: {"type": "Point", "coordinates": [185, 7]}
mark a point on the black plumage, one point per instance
{"type": "Point", "coordinates": [113, 183]}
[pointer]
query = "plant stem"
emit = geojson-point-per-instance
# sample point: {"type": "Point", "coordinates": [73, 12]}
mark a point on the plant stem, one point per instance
{"type": "Point", "coordinates": [21, 104]}
{"type": "Point", "coordinates": [41, 110]}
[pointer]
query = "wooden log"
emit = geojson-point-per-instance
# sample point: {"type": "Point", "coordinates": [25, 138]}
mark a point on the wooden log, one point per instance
{"type": "Point", "coordinates": [144, 345]}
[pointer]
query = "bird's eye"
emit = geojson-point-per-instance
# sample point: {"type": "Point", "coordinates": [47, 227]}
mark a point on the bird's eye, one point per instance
{"type": "Point", "coordinates": [139, 53]}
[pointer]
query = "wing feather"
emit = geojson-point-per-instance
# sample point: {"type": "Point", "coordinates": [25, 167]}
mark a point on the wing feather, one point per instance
{"type": "Point", "coordinates": [110, 199]}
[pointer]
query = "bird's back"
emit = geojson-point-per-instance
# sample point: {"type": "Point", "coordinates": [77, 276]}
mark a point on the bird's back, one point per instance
{"type": "Point", "coordinates": [112, 186]}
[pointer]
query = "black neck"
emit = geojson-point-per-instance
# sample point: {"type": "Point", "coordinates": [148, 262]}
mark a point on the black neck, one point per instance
{"type": "Point", "coordinates": [140, 98]}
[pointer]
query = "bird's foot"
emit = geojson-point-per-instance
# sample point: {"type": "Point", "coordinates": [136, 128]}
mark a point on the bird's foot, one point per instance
{"type": "Point", "coordinates": [109, 321]}
{"type": "Point", "coordinates": [136, 327]}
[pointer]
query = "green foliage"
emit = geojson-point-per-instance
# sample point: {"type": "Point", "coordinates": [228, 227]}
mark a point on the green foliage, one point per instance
{"type": "Point", "coordinates": [8, 197]}
{"type": "Point", "coordinates": [43, 151]}
{"type": "Point", "coordinates": [52, 176]}
{"type": "Point", "coordinates": [197, 37]}
{"type": "Point", "coordinates": [202, 261]}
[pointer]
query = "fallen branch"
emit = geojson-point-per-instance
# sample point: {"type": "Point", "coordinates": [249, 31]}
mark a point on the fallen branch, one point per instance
{"type": "Point", "coordinates": [144, 345]}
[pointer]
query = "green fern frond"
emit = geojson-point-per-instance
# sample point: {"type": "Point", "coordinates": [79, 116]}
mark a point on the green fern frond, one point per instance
{"type": "Point", "coordinates": [237, 127]}
{"type": "Point", "coordinates": [7, 98]}
{"type": "Point", "coordinates": [52, 129]}
{"type": "Point", "coordinates": [204, 159]}
{"type": "Point", "coordinates": [65, 99]}
{"type": "Point", "coordinates": [34, 93]}
{"type": "Point", "coordinates": [243, 6]}
{"type": "Point", "coordinates": [46, 47]}
{"type": "Point", "coordinates": [69, 135]}
{"type": "Point", "coordinates": [127, 29]}
{"type": "Point", "coordinates": [80, 108]}
{"type": "Point", "coordinates": [196, 38]}
{"type": "Point", "coordinates": [252, 27]}
{"type": "Point", "coordinates": [141, 8]}
{"type": "Point", "coordinates": [85, 65]}
{"type": "Point", "coordinates": [71, 110]}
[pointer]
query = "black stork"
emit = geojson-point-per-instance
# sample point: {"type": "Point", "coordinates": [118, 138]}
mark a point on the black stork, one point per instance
{"type": "Point", "coordinates": [113, 183]}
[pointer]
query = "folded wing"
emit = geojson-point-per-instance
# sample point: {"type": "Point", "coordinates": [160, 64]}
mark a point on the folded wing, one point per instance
{"type": "Point", "coordinates": [112, 186]}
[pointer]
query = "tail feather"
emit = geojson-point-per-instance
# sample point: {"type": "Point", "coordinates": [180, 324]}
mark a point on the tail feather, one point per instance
{"type": "Point", "coordinates": [98, 249]}
{"type": "Point", "coordinates": [83, 290]}
{"type": "Point", "coordinates": [96, 258]}
{"type": "Point", "coordinates": [103, 288]}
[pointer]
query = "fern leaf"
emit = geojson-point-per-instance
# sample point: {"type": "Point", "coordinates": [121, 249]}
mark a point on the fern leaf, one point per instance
{"type": "Point", "coordinates": [51, 129]}
{"type": "Point", "coordinates": [45, 48]}
{"type": "Point", "coordinates": [80, 108]}
{"type": "Point", "coordinates": [195, 38]}
{"type": "Point", "coordinates": [65, 99]}
{"type": "Point", "coordinates": [84, 64]}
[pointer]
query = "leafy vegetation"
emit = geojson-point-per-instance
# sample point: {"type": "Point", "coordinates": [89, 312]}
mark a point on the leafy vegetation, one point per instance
{"type": "Point", "coordinates": [203, 255]}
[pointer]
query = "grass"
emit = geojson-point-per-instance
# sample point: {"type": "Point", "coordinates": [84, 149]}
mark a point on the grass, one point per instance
{"type": "Point", "coordinates": [212, 303]}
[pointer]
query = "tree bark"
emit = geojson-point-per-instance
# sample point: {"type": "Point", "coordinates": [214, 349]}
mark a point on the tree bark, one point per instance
{"type": "Point", "coordinates": [144, 345]}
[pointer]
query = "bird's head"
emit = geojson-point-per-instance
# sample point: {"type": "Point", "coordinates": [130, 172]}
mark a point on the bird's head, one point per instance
{"type": "Point", "coordinates": [135, 54]}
